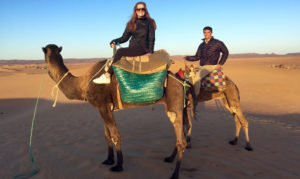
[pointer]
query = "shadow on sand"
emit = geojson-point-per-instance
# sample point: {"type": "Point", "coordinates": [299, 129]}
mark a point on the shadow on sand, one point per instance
{"type": "Point", "coordinates": [68, 141]}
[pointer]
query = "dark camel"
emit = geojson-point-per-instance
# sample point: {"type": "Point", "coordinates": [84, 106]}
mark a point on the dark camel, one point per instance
{"type": "Point", "coordinates": [103, 98]}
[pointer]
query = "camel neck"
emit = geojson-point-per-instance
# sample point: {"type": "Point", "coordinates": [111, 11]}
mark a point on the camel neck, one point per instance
{"type": "Point", "coordinates": [69, 85]}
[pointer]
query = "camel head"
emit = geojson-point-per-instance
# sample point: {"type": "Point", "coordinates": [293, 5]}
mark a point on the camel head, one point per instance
{"type": "Point", "coordinates": [54, 60]}
{"type": "Point", "coordinates": [52, 53]}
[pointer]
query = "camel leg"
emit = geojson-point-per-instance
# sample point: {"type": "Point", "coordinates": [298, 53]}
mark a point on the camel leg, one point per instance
{"type": "Point", "coordinates": [236, 120]}
{"type": "Point", "coordinates": [111, 125]}
{"type": "Point", "coordinates": [116, 139]}
{"type": "Point", "coordinates": [174, 108]}
{"type": "Point", "coordinates": [189, 128]}
{"type": "Point", "coordinates": [171, 158]}
{"type": "Point", "coordinates": [110, 158]}
{"type": "Point", "coordinates": [187, 124]}
{"type": "Point", "coordinates": [244, 124]}
{"type": "Point", "coordinates": [232, 98]}
{"type": "Point", "coordinates": [237, 130]}
{"type": "Point", "coordinates": [176, 120]}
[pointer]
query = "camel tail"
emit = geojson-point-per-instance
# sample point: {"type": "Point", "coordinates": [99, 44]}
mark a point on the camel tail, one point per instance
{"type": "Point", "coordinates": [237, 89]}
{"type": "Point", "coordinates": [238, 92]}
{"type": "Point", "coordinates": [191, 104]}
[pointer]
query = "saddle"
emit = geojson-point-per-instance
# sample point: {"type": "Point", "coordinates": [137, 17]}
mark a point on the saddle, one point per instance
{"type": "Point", "coordinates": [156, 62]}
{"type": "Point", "coordinates": [141, 79]}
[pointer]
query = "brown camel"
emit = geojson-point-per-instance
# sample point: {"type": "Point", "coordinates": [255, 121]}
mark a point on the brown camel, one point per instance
{"type": "Point", "coordinates": [103, 98]}
{"type": "Point", "coordinates": [231, 100]}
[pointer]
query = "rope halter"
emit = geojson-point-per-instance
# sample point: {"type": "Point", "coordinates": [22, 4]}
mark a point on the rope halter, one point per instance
{"type": "Point", "coordinates": [56, 89]}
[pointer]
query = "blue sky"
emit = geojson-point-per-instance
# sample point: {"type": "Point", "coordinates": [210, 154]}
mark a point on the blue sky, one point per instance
{"type": "Point", "coordinates": [84, 28]}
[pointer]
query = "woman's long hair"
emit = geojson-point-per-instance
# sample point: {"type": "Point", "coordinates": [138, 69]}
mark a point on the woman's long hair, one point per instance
{"type": "Point", "coordinates": [132, 23]}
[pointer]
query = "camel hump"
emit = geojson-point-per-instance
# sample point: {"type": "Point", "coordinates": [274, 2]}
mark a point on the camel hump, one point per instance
{"type": "Point", "coordinates": [158, 61]}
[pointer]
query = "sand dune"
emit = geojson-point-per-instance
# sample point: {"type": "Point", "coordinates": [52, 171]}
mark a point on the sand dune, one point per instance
{"type": "Point", "coordinates": [68, 140]}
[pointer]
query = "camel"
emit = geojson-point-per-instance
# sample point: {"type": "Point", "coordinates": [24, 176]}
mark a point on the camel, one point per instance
{"type": "Point", "coordinates": [231, 100]}
{"type": "Point", "coordinates": [102, 97]}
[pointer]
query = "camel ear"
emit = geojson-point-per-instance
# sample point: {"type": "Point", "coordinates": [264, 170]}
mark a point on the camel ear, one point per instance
{"type": "Point", "coordinates": [44, 50]}
{"type": "Point", "coordinates": [59, 49]}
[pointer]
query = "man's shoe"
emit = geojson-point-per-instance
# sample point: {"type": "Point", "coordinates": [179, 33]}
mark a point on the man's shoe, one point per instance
{"type": "Point", "coordinates": [102, 80]}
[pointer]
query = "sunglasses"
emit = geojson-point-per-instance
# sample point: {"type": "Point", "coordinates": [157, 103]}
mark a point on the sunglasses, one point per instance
{"type": "Point", "coordinates": [140, 9]}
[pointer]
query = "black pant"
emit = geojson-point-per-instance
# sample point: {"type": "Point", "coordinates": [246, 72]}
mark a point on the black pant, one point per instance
{"type": "Point", "coordinates": [129, 52]}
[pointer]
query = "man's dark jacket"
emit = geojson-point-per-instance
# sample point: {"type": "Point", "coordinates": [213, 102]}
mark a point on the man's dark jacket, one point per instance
{"type": "Point", "coordinates": [209, 53]}
{"type": "Point", "coordinates": [143, 36]}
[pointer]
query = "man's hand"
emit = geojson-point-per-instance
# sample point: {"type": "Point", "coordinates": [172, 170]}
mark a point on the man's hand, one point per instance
{"type": "Point", "coordinates": [148, 54]}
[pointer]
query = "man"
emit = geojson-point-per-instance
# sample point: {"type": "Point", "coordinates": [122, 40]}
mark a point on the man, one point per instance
{"type": "Point", "coordinates": [209, 54]}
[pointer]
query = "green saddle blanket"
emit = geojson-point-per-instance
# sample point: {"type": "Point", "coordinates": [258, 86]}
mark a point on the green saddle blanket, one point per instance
{"type": "Point", "coordinates": [140, 88]}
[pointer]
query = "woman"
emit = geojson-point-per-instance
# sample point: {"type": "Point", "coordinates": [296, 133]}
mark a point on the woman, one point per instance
{"type": "Point", "coordinates": [141, 29]}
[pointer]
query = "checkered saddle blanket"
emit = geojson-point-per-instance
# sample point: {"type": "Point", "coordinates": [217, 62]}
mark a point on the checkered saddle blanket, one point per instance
{"type": "Point", "coordinates": [215, 81]}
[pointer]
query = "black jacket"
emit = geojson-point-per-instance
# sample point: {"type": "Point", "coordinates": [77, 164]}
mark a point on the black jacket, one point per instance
{"type": "Point", "coordinates": [209, 53]}
{"type": "Point", "coordinates": [143, 36]}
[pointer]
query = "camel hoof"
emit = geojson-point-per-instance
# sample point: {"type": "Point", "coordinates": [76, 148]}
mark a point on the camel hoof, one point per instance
{"type": "Point", "coordinates": [174, 176]}
{"type": "Point", "coordinates": [108, 162]}
{"type": "Point", "coordinates": [169, 159]}
{"type": "Point", "coordinates": [117, 168]}
{"type": "Point", "coordinates": [189, 145]}
{"type": "Point", "coordinates": [248, 147]}
{"type": "Point", "coordinates": [233, 142]}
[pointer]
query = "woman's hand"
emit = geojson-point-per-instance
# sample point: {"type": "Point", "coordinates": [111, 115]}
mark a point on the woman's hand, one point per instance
{"type": "Point", "coordinates": [113, 45]}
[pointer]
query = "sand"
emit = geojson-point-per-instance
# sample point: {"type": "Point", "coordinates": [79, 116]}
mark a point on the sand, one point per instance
{"type": "Point", "coordinates": [68, 141]}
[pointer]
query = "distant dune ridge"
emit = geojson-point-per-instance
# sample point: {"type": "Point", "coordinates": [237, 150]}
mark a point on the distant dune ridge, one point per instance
{"type": "Point", "coordinates": [175, 57]}
{"type": "Point", "coordinates": [67, 60]}
{"type": "Point", "coordinates": [256, 55]}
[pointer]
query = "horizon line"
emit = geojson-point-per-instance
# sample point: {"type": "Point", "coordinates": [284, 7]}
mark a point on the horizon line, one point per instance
{"type": "Point", "coordinates": [248, 53]}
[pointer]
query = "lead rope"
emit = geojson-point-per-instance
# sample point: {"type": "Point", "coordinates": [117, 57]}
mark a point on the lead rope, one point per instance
{"type": "Point", "coordinates": [34, 165]}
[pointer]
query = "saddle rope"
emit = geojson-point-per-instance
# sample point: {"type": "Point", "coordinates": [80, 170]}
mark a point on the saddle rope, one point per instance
{"type": "Point", "coordinates": [107, 64]}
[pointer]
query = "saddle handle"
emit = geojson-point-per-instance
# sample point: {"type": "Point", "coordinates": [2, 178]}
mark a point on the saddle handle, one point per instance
{"type": "Point", "coordinates": [115, 49]}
